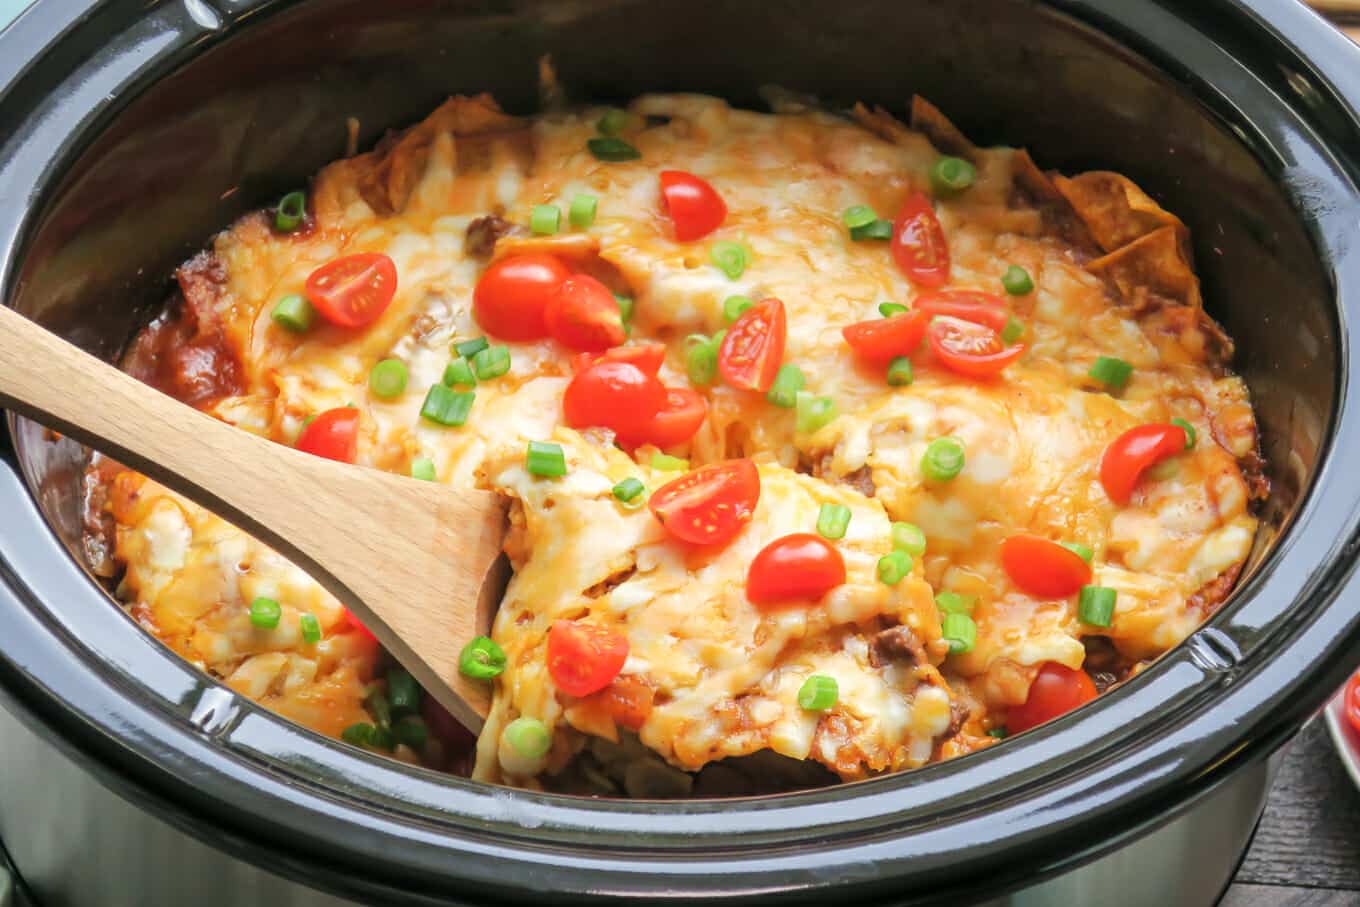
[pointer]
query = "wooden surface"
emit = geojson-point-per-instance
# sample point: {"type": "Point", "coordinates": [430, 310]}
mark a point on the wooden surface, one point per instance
{"type": "Point", "coordinates": [1307, 847]}
{"type": "Point", "coordinates": [410, 558]}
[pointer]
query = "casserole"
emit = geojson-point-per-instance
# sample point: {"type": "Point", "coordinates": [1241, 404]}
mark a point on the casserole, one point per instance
{"type": "Point", "coordinates": [1268, 143]}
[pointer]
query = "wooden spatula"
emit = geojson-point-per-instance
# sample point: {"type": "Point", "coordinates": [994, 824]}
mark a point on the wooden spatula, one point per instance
{"type": "Point", "coordinates": [417, 562]}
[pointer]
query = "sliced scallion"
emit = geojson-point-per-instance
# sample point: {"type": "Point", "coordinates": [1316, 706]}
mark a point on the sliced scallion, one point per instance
{"type": "Point", "coordinates": [458, 373]}
{"type": "Point", "coordinates": [483, 658]}
{"type": "Point", "coordinates": [889, 309]}
{"type": "Point", "coordinates": [544, 458]}
{"type": "Point", "coordinates": [528, 737]}
{"type": "Point", "coordinates": [582, 210]}
{"type": "Point", "coordinates": [955, 603]}
{"type": "Point", "coordinates": [423, 468]}
{"type": "Point", "coordinates": [1082, 551]}
{"type": "Point", "coordinates": [469, 348]}
{"type": "Point", "coordinates": [387, 379]}
{"type": "Point", "coordinates": [894, 567]}
{"type": "Point", "coordinates": [833, 520]}
{"type": "Point", "coordinates": [291, 212]}
{"type": "Point", "coordinates": [951, 175]}
{"type": "Point", "coordinates": [943, 459]}
{"type": "Point", "coordinates": [265, 613]}
{"type": "Point", "coordinates": [1191, 436]}
{"type": "Point", "coordinates": [666, 463]}
{"type": "Point", "coordinates": [733, 306]}
{"type": "Point", "coordinates": [959, 631]}
{"type": "Point", "coordinates": [879, 229]}
{"type": "Point", "coordinates": [311, 628]}
{"type": "Point", "coordinates": [813, 413]}
{"type": "Point", "coordinates": [403, 692]}
{"type": "Point", "coordinates": [491, 362]}
{"type": "Point", "coordinates": [858, 216]}
{"type": "Point", "coordinates": [908, 537]}
{"type": "Point", "coordinates": [1013, 331]}
{"type": "Point", "coordinates": [1016, 281]}
{"type": "Point", "coordinates": [544, 220]}
{"type": "Point", "coordinates": [1095, 605]}
{"type": "Point", "coordinates": [293, 313]}
{"type": "Point", "coordinates": [788, 381]}
{"type": "Point", "coordinates": [447, 407]}
{"type": "Point", "coordinates": [899, 372]}
{"type": "Point", "coordinates": [629, 489]}
{"type": "Point", "coordinates": [612, 150]}
{"type": "Point", "coordinates": [1111, 371]}
{"type": "Point", "coordinates": [818, 693]}
{"type": "Point", "coordinates": [729, 257]}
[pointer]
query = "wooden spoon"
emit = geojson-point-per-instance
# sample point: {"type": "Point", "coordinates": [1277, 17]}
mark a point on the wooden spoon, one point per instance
{"type": "Point", "coordinates": [418, 562]}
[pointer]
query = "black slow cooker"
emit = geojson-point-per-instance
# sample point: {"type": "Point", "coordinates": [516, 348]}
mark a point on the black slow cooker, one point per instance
{"type": "Point", "coordinates": [135, 128]}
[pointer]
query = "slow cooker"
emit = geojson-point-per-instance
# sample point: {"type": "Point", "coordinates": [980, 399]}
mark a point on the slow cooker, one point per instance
{"type": "Point", "coordinates": [135, 128]}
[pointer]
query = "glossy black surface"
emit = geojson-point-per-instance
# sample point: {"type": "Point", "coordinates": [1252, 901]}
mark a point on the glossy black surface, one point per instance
{"type": "Point", "coordinates": [1219, 115]}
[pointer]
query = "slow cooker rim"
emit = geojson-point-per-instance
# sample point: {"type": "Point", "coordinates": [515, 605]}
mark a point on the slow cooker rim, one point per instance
{"type": "Point", "coordinates": [1058, 734]}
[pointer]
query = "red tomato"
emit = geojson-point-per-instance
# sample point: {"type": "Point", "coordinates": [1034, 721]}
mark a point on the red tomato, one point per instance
{"type": "Point", "coordinates": [753, 349]}
{"type": "Point", "coordinates": [970, 305]}
{"type": "Point", "coordinates": [695, 208]}
{"type": "Point", "coordinates": [883, 339]}
{"type": "Point", "coordinates": [710, 505]}
{"type": "Point", "coordinates": [333, 434]}
{"type": "Point", "coordinates": [584, 315]}
{"type": "Point", "coordinates": [799, 567]}
{"type": "Point", "coordinates": [677, 420]}
{"type": "Point", "coordinates": [353, 291]}
{"type": "Point", "coordinates": [970, 349]}
{"type": "Point", "coordinates": [918, 243]}
{"type": "Point", "coordinates": [1043, 568]}
{"type": "Point", "coordinates": [1056, 691]}
{"type": "Point", "coordinates": [356, 624]}
{"type": "Point", "coordinates": [1133, 452]}
{"type": "Point", "coordinates": [646, 356]}
{"type": "Point", "coordinates": [628, 700]}
{"type": "Point", "coordinates": [1352, 702]}
{"type": "Point", "coordinates": [616, 395]}
{"type": "Point", "coordinates": [512, 296]}
{"type": "Point", "coordinates": [583, 659]}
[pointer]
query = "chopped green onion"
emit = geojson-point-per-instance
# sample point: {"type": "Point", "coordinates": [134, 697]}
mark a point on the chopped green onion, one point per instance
{"type": "Point", "coordinates": [1082, 551]}
{"type": "Point", "coordinates": [411, 731]}
{"type": "Point", "coordinates": [387, 379]}
{"type": "Point", "coordinates": [788, 381]}
{"type": "Point", "coordinates": [582, 210]}
{"type": "Point", "coordinates": [491, 362]}
{"type": "Point", "coordinates": [879, 229]}
{"type": "Point", "coordinates": [889, 309]}
{"type": "Point", "coordinates": [858, 216]}
{"type": "Point", "coordinates": [459, 373]}
{"type": "Point", "coordinates": [382, 739]}
{"type": "Point", "coordinates": [482, 659]}
{"type": "Point", "coordinates": [544, 220]}
{"type": "Point", "coordinates": [265, 613]}
{"type": "Point", "coordinates": [733, 306]}
{"type": "Point", "coordinates": [959, 631]}
{"type": "Point", "coordinates": [290, 212]}
{"type": "Point", "coordinates": [379, 707]}
{"type": "Point", "coordinates": [818, 693]}
{"type": "Point", "coordinates": [544, 458]}
{"type": "Point", "coordinates": [612, 149]}
{"type": "Point", "coordinates": [469, 348]}
{"type": "Point", "coordinates": [403, 692]}
{"type": "Point", "coordinates": [629, 489]}
{"type": "Point", "coordinates": [423, 468]}
{"type": "Point", "coordinates": [613, 121]}
{"type": "Point", "coordinates": [909, 538]}
{"type": "Point", "coordinates": [528, 737]}
{"type": "Point", "coordinates": [1191, 436]}
{"type": "Point", "coordinates": [899, 372]}
{"type": "Point", "coordinates": [1112, 372]}
{"type": "Point", "coordinates": [832, 521]}
{"type": "Point", "coordinates": [1095, 605]}
{"type": "Point", "coordinates": [701, 359]}
{"type": "Point", "coordinates": [666, 463]}
{"type": "Point", "coordinates": [893, 568]}
{"type": "Point", "coordinates": [445, 407]}
{"type": "Point", "coordinates": [729, 257]}
{"type": "Point", "coordinates": [311, 628]}
{"type": "Point", "coordinates": [1016, 281]}
{"type": "Point", "coordinates": [358, 734]}
{"type": "Point", "coordinates": [1013, 331]}
{"type": "Point", "coordinates": [293, 313]}
{"type": "Point", "coordinates": [943, 459]}
{"type": "Point", "coordinates": [998, 732]}
{"type": "Point", "coordinates": [954, 603]}
{"type": "Point", "coordinates": [814, 413]}
{"type": "Point", "coordinates": [951, 175]}
{"type": "Point", "coordinates": [625, 307]}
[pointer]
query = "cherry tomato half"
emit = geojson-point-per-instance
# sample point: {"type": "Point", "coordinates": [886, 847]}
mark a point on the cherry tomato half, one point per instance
{"type": "Point", "coordinates": [333, 434]}
{"type": "Point", "coordinates": [969, 348]}
{"type": "Point", "coordinates": [583, 659]}
{"type": "Point", "coordinates": [695, 207]}
{"type": "Point", "coordinates": [1133, 452]}
{"type": "Point", "coordinates": [884, 339]}
{"type": "Point", "coordinates": [1044, 568]}
{"type": "Point", "coordinates": [512, 296]}
{"type": "Point", "coordinates": [918, 243]}
{"type": "Point", "coordinates": [616, 395]}
{"type": "Point", "coordinates": [353, 291]}
{"type": "Point", "coordinates": [584, 315]}
{"type": "Point", "coordinates": [1352, 701]}
{"type": "Point", "coordinates": [970, 305]}
{"type": "Point", "coordinates": [628, 700]}
{"type": "Point", "coordinates": [676, 422]}
{"type": "Point", "coordinates": [710, 505]}
{"type": "Point", "coordinates": [801, 567]}
{"type": "Point", "coordinates": [646, 356]}
{"type": "Point", "coordinates": [751, 353]}
{"type": "Point", "coordinates": [1056, 690]}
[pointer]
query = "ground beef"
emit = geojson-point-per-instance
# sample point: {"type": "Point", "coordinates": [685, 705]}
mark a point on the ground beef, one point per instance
{"type": "Point", "coordinates": [896, 644]}
{"type": "Point", "coordinates": [483, 233]}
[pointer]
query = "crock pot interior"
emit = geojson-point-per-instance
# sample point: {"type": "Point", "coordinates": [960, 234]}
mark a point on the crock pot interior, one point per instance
{"type": "Point", "coordinates": [261, 105]}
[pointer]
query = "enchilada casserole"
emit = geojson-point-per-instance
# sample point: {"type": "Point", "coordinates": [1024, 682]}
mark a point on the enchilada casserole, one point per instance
{"type": "Point", "coordinates": [836, 445]}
